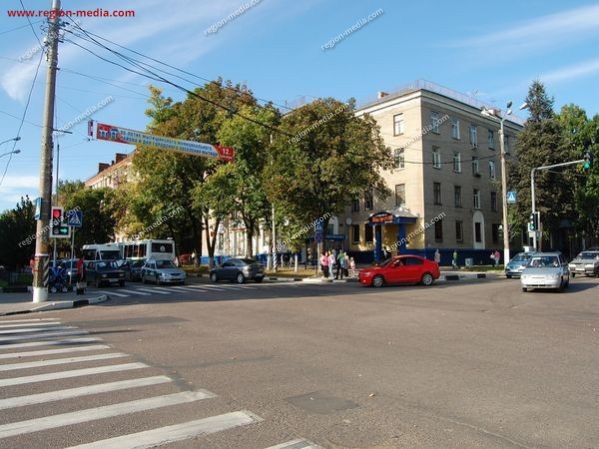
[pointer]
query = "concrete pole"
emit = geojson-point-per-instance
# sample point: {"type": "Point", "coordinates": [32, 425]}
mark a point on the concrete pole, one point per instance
{"type": "Point", "coordinates": [42, 258]}
{"type": "Point", "coordinates": [506, 231]}
{"type": "Point", "coordinates": [533, 207]}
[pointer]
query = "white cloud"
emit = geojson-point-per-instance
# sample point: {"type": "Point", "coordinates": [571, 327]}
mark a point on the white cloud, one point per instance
{"type": "Point", "coordinates": [571, 72]}
{"type": "Point", "coordinates": [12, 182]}
{"type": "Point", "coordinates": [545, 31]}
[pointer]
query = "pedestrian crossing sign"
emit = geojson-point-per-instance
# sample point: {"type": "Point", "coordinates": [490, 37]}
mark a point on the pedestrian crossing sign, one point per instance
{"type": "Point", "coordinates": [511, 197]}
{"type": "Point", "coordinates": [74, 218]}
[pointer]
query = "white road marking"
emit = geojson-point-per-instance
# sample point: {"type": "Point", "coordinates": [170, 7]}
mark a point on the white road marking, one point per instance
{"type": "Point", "coordinates": [47, 334]}
{"type": "Point", "coordinates": [66, 341]}
{"type": "Point", "coordinates": [34, 329]}
{"type": "Point", "coordinates": [134, 292]}
{"type": "Point", "coordinates": [178, 432]}
{"type": "Point", "coordinates": [162, 289]}
{"type": "Point", "coordinates": [21, 401]}
{"type": "Point", "coordinates": [186, 289]}
{"type": "Point", "coordinates": [71, 373]}
{"type": "Point", "coordinates": [152, 291]}
{"type": "Point", "coordinates": [12, 355]}
{"type": "Point", "coordinates": [42, 323]}
{"type": "Point", "coordinates": [32, 320]}
{"type": "Point", "coordinates": [50, 362]}
{"type": "Point", "coordinates": [106, 292]}
{"type": "Point", "coordinates": [107, 411]}
{"type": "Point", "coordinates": [296, 444]}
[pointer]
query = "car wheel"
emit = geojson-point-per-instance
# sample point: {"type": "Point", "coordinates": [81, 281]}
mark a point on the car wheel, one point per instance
{"type": "Point", "coordinates": [567, 284]}
{"type": "Point", "coordinates": [378, 281]}
{"type": "Point", "coordinates": [143, 279]}
{"type": "Point", "coordinates": [573, 275]}
{"type": "Point", "coordinates": [121, 283]}
{"type": "Point", "coordinates": [213, 277]}
{"type": "Point", "coordinates": [427, 279]}
{"type": "Point", "coordinates": [509, 276]}
{"type": "Point", "coordinates": [524, 289]}
{"type": "Point", "coordinates": [258, 279]}
{"type": "Point", "coordinates": [157, 280]}
{"type": "Point", "coordinates": [240, 279]}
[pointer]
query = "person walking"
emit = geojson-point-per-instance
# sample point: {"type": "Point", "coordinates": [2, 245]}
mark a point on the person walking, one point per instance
{"type": "Point", "coordinates": [324, 264]}
{"type": "Point", "coordinates": [437, 256]}
{"type": "Point", "coordinates": [497, 258]}
{"type": "Point", "coordinates": [454, 261]}
{"type": "Point", "coordinates": [332, 262]}
{"type": "Point", "coordinates": [342, 264]}
{"type": "Point", "coordinates": [352, 266]}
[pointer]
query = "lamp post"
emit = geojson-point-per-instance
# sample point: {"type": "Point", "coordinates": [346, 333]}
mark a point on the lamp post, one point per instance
{"type": "Point", "coordinates": [10, 152]}
{"type": "Point", "coordinates": [14, 139]}
{"type": "Point", "coordinates": [506, 234]}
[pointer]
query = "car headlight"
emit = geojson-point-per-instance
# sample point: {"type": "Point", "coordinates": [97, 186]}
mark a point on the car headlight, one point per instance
{"type": "Point", "coordinates": [162, 275]}
{"type": "Point", "coordinates": [556, 275]}
{"type": "Point", "coordinates": [589, 265]}
{"type": "Point", "coordinates": [104, 276]}
{"type": "Point", "coordinates": [121, 275]}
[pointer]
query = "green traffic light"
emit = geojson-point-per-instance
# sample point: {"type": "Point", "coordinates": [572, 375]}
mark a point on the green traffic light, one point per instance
{"type": "Point", "coordinates": [586, 166]}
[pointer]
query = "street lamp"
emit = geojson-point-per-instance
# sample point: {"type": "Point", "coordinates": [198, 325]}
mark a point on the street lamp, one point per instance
{"type": "Point", "coordinates": [488, 112]}
{"type": "Point", "coordinates": [10, 152]}
{"type": "Point", "coordinates": [14, 139]}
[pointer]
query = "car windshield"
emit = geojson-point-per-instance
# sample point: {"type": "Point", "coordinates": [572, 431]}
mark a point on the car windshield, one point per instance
{"type": "Point", "coordinates": [106, 265]}
{"type": "Point", "coordinates": [589, 255]}
{"type": "Point", "coordinates": [248, 261]}
{"type": "Point", "coordinates": [164, 264]}
{"type": "Point", "coordinates": [521, 258]}
{"type": "Point", "coordinates": [543, 262]}
{"type": "Point", "coordinates": [110, 255]}
{"type": "Point", "coordinates": [137, 263]}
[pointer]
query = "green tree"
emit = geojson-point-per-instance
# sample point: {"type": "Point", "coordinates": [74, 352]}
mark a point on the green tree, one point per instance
{"type": "Point", "coordinates": [326, 157]}
{"type": "Point", "coordinates": [17, 234]}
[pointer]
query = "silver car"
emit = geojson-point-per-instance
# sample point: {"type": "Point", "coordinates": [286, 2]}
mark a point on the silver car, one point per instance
{"type": "Point", "coordinates": [162, 272]}
{"type": "Point", "coordinates": [587, 263]}
{"type": "Point", "coordinates": [545, 271]}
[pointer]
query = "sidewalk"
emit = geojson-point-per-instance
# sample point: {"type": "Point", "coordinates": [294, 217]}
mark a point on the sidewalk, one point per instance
{"type": "Point", "coordinates": [17, 303]}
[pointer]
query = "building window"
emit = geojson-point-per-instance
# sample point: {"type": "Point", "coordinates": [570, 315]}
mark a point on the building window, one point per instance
{"type": "Point", "coordinates": [437, 193]}
{"type": "Point", "coordinates": [400, 195]}
{"type": "Point", "coordinates": [495, 232]}
{"type": "Point", "coordinates": [355, 205]}
{"type": "Point", "coordinates": [455, 128]}
{"type": "Point", "coordinates": [478, 234]}
{"type": "Point", "coordinates": [369, 200]}
{"type": "Point", "coordinates": [355, 234]}
{"type": "Point", "coordinates": [473, 136]}
{"type": "Point", "coordinates": [399, 157]}
{"type": "Point", "coordinates": [436, 158]}
{"type": "Point", "coordinates": [491, 139]}
{"type": "Point", "coordinates": [368, 233]}
{"type": "Point", "coordinates": [457, 162]}
{"type": "Point", "coordinates": [398, 124]}
{"type": "Point", "coordinates": [492, 173]}
{"type": "Point", "coordinates": [439, 231]}
{"type": "Point", "coordinates": [435, 122]}
{"type": "Point", "coordinates": [459, 231]}
{"type": "Point", "coordinates": [507, 143]}
{"type": "Point", "coordinates": [457, 195]}
{"type": "Point", "coordinates": [494, 201]}
{"type": "Point", "coordinates": [475, 170]}
{"type": "Point", "coordinates": [476, 198]}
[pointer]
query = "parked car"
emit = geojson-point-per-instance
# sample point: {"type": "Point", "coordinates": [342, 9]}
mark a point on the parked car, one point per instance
{"type": "Point", "coordinates": [238, 270]}
{"type": "Point", "coordinates": [70, 266]}
{"type": "Point", "coordinates": [162, 272]}
{"type": "Point", "coordinates": [132, 269]}
{"type": "Point", "coordinates": [408, 269]}
{"type": "Point", "coordinates": [545, 271]}
{"type": "Point", "coordinates": [101, 272]}
{"type": "Point", "coordinates": [517, 264]}
{"type": "Point", "coordinates": [587, 263]}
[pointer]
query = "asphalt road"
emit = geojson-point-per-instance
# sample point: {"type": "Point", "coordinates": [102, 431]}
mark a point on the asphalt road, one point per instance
{"type": "Point", "coordinates": [457, 365]}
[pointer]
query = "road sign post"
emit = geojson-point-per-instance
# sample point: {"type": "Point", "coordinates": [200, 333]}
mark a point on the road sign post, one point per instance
{"type": "Point", "coordinates": [74, 221]}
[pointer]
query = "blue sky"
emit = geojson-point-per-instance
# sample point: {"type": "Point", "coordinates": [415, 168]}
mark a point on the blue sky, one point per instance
{"type": "Point", "coordinates": [491, 52]}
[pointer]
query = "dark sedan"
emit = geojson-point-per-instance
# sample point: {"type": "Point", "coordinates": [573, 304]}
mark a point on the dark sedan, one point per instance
{"type": "Point", "coordinates": [102, 272]}
{"type": "Point", "coordinates": [238, 270]}
{"type": "Point", "coordinates": [132, 269]}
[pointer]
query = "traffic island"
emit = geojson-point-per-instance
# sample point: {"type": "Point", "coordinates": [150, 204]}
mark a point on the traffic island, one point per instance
{"type": "Point", "coordinates": [17, 303]}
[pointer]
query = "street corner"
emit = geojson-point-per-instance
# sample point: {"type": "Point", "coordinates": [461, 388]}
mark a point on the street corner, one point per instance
{"type": "Point", "coordinates": [17, 305]}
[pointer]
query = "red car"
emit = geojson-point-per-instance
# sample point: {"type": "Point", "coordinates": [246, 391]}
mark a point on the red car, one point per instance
{"type": "Point", "coordinates": [404, 269]}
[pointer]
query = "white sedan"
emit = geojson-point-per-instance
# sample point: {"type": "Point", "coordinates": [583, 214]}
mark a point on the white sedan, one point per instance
{"type": "Point", "coordinates": [545, 271]}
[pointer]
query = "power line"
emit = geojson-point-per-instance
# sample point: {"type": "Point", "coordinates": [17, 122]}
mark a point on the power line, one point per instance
{"type": "Point", "coordinates": [20, 28]}
{"type": "Point", "coordinates": [31, 24]}
{"type": "Point", "coordinates": [23, 117]}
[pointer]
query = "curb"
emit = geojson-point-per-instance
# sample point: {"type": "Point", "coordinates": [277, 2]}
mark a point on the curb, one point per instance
{"type": "Point", "coordinates": [60, 305]}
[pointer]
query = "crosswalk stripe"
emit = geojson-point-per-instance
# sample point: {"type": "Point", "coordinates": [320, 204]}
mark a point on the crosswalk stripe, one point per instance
{"type": "Point", "coordinates": [40, 398]}
{"type": "Point", "coordinates": [31, 320]}
{"type": "Point", "coordinates": [134, 292]}
{"type": "Point", "coordinates": [71, 373]}
{"type": "Point", "coordinates": [50, 362]}
{"type": "Point", "coordinates": [42, 323]}
{"type": "Point", "coordinates": [178, 432]}
{"type": "Point", "coordinates": [151, 291]}
{"type": "Point", "coordinates": [107, 411]}
{"type": "Point", "coordinates": [12, 355]}
{"type": "Point", "coordinates": [186, 289]}
{"type": "Point", "coordinates": [42, 335]}
{"type": "Point", "coordinates": [25, 330]}
{"type": "Point", "coordinates": [67, 341]}
{"type": "Point", "coordinates": [119, 295]}
{"type": "Point", "coordinates": [296, 444]}
{"type": "Point", "coordinates": [162, 289]}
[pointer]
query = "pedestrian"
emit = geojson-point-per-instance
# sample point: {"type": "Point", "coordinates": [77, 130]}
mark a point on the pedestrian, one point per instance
{"type": "Point", "coordinates": [324, 264]}
{"type": "Point", "coordinates": [497, 258]}
{"type": "Point", "coordinates": [454, 261]}
{"type": "Point", "coordinates": [332, 262]}
{"type": "Point", "coordinates": [437, 256]}
{"type": "Point", "coordinates": [352, 266]}
{"type": "Point", "coordinates": [194, 258]}
{"type": "Point", "coordinates": [343, 264]}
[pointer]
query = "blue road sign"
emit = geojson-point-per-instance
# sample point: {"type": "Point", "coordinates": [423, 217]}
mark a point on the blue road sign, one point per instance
{"type": "Point", "coordinates": [318, 232]}
{"type": "Point", "coordinates": [511, 197]}
{"type": "Point", "coordinates": [38, 209]}
{"type": "Point", "coordinates": [74, 218]}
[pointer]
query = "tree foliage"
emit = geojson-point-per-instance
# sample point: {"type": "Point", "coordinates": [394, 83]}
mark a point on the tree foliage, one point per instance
{"type": "Point", "coordinates": [17, 234]}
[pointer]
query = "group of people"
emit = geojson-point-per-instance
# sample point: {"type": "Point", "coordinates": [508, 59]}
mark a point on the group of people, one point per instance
{"type": "Point", "coordinates": [337, 263]}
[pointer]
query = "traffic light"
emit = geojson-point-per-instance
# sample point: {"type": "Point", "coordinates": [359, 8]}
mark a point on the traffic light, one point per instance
{"type": "Point", "coordinates": [588, 161]}
{"type": "Point", "coordinates": [58, 227]}
{"type": "Point", "coordinates": [534, 222]}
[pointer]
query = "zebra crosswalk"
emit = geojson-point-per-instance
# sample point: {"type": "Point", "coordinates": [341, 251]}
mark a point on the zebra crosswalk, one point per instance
{"type": "Point", "coordinates": [54, 385]}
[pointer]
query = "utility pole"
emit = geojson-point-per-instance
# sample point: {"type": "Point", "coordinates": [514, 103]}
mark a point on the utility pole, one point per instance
{"type": "Point", "coordinates": [41, 273]}
{"type": "Point", "coordinates": [506, 231]}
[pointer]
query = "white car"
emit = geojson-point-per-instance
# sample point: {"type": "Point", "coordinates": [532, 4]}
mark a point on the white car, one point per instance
{"type": "Point", "coordinates": [545, 271]}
